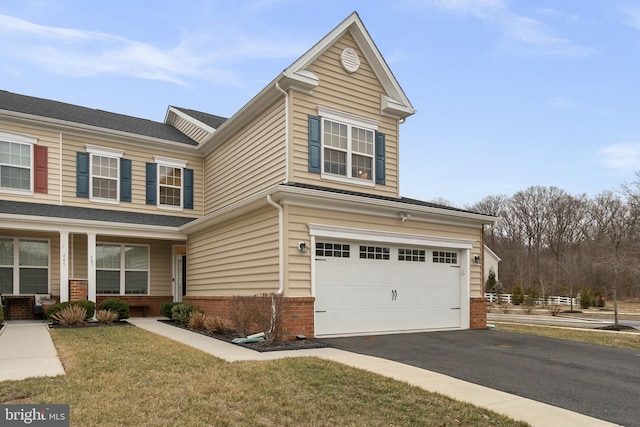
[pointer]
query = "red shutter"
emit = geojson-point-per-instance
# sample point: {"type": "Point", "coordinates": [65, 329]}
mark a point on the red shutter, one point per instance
{"type": "Point", "coordinates": [41, 168]}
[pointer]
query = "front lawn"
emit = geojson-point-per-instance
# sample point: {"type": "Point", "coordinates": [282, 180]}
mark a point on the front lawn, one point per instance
{"type": "Point", "coordinates": [126, 376]}
{"type": "Point", "coordinates": [612, 339]}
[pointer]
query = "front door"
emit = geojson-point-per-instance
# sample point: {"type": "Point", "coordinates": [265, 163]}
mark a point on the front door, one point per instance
{"type": "Point", "coordinates": [179, 273]}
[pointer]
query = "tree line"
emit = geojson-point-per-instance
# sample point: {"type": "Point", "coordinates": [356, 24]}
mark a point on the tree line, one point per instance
{"type": "Point", "coordinates": [555, 243]}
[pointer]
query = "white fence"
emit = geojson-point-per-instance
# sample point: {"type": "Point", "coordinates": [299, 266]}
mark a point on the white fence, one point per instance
{"type": "Point", "coordinates": [508, 298]}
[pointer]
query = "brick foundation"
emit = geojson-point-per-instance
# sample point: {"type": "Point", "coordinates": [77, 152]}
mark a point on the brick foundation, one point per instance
{"type": "Point", "coordinates": [478, 313]}
{"type": "Point", "coordinates": [18, 307]}
{"type": "Point", "coordinates": [298, 318]}
{"type": "Point", "coordinates": [78, 290]}
{"type": "Point", "coordinates": [136, 303]}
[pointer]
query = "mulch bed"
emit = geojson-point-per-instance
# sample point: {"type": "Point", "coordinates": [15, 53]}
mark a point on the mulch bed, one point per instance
{"type": "Point", "coordinates": [228, 335]}
{"type": "Point", "coordinates": [616, 328]}
{"type": "Point", "coordinates": [89, 325]}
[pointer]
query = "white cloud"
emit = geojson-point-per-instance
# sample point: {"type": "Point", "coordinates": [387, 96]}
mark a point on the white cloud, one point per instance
{"type": "Point", "coordinates": [77, 52]}
{"type": "Point", "coordinates": [632, 17]}
{"type": "Point", "coordinates": [562, 102]}
{"type": "Point", "coordinates": [625, 156]}
{"type": "Point", "coordinates": [522, 34]}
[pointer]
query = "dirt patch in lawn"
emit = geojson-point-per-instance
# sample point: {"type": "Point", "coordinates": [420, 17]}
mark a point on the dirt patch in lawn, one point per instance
{"type": "Point", "coordinates": [89, 325]}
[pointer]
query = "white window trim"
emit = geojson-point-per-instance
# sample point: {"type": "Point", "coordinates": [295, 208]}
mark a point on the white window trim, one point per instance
{"type": "Point", "coordinates": [16, 262]}
{"type": "Point", "coordinates": [351, 120]}
{"type": "Point", "coordinates": [25, 140]}
{"type": "Point", "coordinates": [94, 150]}
{"type": "Point", "coordinates": [172, 163]}
{"type": "Point", "coordinates": [122, 268]}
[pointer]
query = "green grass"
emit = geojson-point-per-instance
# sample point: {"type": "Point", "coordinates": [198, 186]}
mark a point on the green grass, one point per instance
{"type": "Point", "coordinates": [612, 339]}
{"type": "Point", "coordinates": [125, 376]}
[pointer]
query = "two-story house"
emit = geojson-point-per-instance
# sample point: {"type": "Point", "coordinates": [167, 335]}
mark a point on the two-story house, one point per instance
{"type": "Point", "coordinates": [296, 193]}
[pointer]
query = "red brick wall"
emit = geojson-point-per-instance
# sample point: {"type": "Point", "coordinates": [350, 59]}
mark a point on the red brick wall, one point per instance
{"type": "Point", "coordinates": [478, 313]}
{"type": "Point", "coordinates": [135, 301]}
{"type": "Point", "coordinates": [78, 290]}
{"type": "Point", "coordinates": [19, 308]}
{"type": "Point", "coordinates": [298, 318]}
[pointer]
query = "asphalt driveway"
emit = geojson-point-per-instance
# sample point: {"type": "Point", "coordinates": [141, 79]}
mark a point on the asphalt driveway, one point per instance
{"type": "Point", "coordinates": [602, 382]}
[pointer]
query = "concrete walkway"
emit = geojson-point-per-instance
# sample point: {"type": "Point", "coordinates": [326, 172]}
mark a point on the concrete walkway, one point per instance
{"type": "Point", "coordinates": [26, 350]}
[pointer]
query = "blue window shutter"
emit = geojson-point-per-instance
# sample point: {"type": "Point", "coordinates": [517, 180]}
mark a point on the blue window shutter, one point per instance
{"type": "Point", "coordinates": [188, 188]}
{"type": "Point", "coordinates": [82, 174]}
{"type": "Point", "coordinates": [125, 180]}
{"type": "Point", "coordinates": [152, 176]}
{"type": "Point", "coordinates": [380, 158]}
{"type": "Point", "coordinates": [314, 144]}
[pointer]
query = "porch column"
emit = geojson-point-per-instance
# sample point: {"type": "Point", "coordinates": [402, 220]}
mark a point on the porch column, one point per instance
{"type": "Point", "coordinates": [64, 266]}
{"type": "Point", "coordinates": [91, 270]}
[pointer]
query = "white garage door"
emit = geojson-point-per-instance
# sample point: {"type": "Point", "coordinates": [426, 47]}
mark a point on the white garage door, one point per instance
{"type": "Point", "coordinates": [365, 288]}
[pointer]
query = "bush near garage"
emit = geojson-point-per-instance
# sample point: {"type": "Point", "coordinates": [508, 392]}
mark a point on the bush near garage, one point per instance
{"type": "Point", "coordinates": [181, 312]}
{"type": "Point", "coordinates": [165, 309]}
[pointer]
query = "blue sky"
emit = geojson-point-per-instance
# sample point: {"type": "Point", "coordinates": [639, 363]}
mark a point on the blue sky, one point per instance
{"type": "Point", "coordinates": [508, 94]}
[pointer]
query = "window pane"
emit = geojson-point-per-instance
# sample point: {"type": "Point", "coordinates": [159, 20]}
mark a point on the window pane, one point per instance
{"type": "Point", "coordinates": [170, 186]}
{"type": "Point", "coordinates": [105, 188]}
{"type": "Point", "coordinates": [169, 196]}
{"type": "Point", "coordinates": [335, 162]}
{"type": "Point", "coordinates": [136, 257]}
{"type": "Point", "coordinates": [34, 280]}
{"type": "Point", "coordinates": [135, 282]}
{"type": "Point", "coordinates": [335, 135]}
{"type": "Point", "coordinates": [361, 167]}
{"type": "Point", "coordinates": [6, 280]}
{"type": "Point", "coordinates": [6, 252]}
{"type": "Point", "coordinates": [16, 178]}
{"type": "Point", "coordinates": [362, 141]}
{"type": "Point", "coordinates": [107, 282]}
{"type": "Point", "coordinates": [107, 256]}
{"type": "Point", "coordinates": [34, 253]}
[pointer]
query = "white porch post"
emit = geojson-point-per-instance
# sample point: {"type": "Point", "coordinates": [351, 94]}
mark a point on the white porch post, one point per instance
{"type": "Point", "coordinates": [91, 270]}
{"type": "Point", "coordinates": [64, 266]}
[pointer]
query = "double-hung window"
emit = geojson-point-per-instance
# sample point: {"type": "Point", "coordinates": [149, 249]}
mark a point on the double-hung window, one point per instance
{"type": "Point", "coordinates": [16, 154]}
{"type": "Point", "coordinates": [169, 183]}
{"type": "Point", "coordinates": [105, 173]}
{"type": "Point", "coordinates": [122, 269]}
{"type": "Point", "coordinates": [24, 266]}
{"type": "Point", "coordinates": [348, 147]}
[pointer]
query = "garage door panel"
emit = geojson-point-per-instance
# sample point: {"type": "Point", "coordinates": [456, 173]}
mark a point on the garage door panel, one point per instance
{"type": "Point", "coordinates": [360, 296]}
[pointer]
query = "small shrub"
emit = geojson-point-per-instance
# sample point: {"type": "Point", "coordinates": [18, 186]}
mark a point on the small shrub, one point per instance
{"type": "Point", "coordinates": [180, 312]}
{"type": "Point", "coordinates": [89, 307]}
{"type": "Point", "coordinates": [585, 299]}
{"type": "Point", "coordinates": [118, 306]}
{"type": "Point", "coordinates": [213, 324]}
{"type": "Point", "coordinates": [517, 297]}
{"type": "Point", "coordinates": [71, 315]}
{"type": "Point", "coordinates": [554, 309]}
{"type": "Point", "coordinates": [241, 314]}
{"type": "Point", "coordinates": [196, 321]}
{"type": "Point", "coordinates": [505, 307]}
{"type": "Point", "coordinates": [1, 316]}
{"type": "Point", "coordinates": [106, 317]}
{"type": "Point", "coordinates": [165, 309]}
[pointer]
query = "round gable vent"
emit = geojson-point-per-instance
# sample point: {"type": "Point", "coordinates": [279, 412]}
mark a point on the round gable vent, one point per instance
{"type": "Point", "coordinates": [349, 59]}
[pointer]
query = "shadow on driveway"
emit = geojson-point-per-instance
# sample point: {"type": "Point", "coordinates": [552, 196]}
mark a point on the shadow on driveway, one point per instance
{"type": "Point", "coordinates": [602, 382]}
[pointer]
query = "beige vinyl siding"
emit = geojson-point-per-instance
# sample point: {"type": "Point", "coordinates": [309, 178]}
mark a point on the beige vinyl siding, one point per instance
{"type": "Point", "coordinates": [356, 93]}
{"type": "Point", "coordinates": [139, 156]}
{"type": "Point", "coordinates": [236, 257]}
{"type": "Point", "coordinates": [250, 161]}
{"type": "Point", "coordinates": [189, 128]}
{"type": "Point", "coordinates": [299, 265]}
{"type": "Point", "coordinates": [45, 138]}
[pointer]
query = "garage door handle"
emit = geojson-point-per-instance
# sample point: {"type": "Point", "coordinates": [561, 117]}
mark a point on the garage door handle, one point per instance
{"type": "Point", "coordinates": [394, 295]}
{"type": "Point", "coordinates": [454, 308]}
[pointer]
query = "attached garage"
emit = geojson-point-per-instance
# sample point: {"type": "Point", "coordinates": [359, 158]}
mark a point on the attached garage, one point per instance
{"type": "Point", "coordinates": [373, 282]}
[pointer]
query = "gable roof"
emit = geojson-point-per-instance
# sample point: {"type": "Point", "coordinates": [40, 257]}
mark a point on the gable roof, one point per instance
{"type": "Point", "coordinates": [207, 119]}
{"type": "Point", "coordinates": [91, 118]}
{"type": "Point", "coordinates": [395, 103]}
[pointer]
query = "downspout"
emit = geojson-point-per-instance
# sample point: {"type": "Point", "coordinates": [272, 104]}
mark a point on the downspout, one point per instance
{"type": "Point", "coordinates": [280, 243]}
{"type": "Point", "coordinates": [286, 132]}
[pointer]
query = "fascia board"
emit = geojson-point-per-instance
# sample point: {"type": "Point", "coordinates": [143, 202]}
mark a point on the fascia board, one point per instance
{"type": "Point", "coordinates": [188, 118]}
{"type": "Point", "coordinates": [71, 225]}
{"type": "Point", "coordinates": [384, 208]}
{"type": "Point", "coordinates": [98, 132]}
